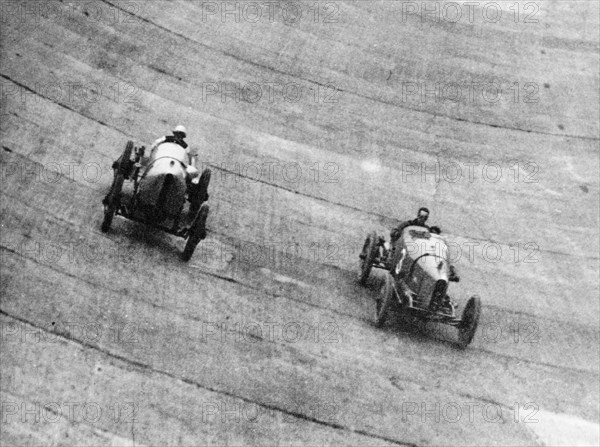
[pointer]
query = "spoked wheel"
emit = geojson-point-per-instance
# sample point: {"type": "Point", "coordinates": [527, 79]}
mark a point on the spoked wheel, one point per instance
{"type": "Point", "coordinates": [367, 256]}
{"type": "Point", "coordinates": [114, 196]}
{"type": "Point", "coordinates": [197, 233]}
{"type": "Point", "coordinates": [385, 301]}
{"type": "Point", "coordinates": [469, 322]}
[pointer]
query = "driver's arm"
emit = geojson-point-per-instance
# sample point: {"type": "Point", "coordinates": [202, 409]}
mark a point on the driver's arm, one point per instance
{"type": "Point", "coordinates": [148, 153]}
{"type": "Point", "coordinates": [191, 157]}
{"type": "Point", "coordinates": [157, 142]}
{"type": "Point", "coordinates": [397, 232]}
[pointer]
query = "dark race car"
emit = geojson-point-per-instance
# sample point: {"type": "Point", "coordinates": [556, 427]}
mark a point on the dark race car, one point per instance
{"type": "Point", "coordinates": [417, 276]}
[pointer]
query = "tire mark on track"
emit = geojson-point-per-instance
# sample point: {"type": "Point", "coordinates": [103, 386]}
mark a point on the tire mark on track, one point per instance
{"type": "Point", "coordinates": [380, 100]}
{"type": "Point", "coordinates": [203, 272]}
{"type": "Point", "coordinates": [274, 294]}
{"type": "Point", "coordinates": [250, 286]}
{"type": "Point", "coordinates": [381, 217]}
{"type": "Point", "coordinates": [257, 289]}
{"type": "Point", "coordinates": [146, 367]}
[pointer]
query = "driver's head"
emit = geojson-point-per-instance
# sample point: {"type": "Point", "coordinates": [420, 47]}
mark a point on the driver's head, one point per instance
{"type": "Point", "coordinates": [179, 132]}
{"type": "Point", "coordinates": [422, 215]}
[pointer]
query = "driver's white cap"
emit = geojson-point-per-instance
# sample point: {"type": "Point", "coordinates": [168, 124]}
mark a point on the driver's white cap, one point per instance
{"type": "Point", "coordinates": [181, 129]}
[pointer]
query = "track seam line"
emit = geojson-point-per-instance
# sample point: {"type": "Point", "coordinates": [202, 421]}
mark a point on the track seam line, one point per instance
{"type": "Point", "coordinates": [210, 274]}
{"type": "Point", "coordinates": [284, 188]}
{"type": "Point", "coordinates": [273, 294]}
{"type": "Point", "coordinates": [309, 304]}
{"type": "Point", "coordinates": [147, 367]}
{"type": "Point", "coordinates": [256, 64]}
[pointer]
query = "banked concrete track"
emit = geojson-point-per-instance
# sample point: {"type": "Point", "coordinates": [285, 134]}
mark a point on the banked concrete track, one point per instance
{"type": "Point", "coordinates": [110, 339]}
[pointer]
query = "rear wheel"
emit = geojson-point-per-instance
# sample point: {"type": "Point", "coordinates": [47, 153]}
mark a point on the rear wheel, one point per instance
{"type": "Point", "coordinates": [113, 199]}
{"type": "Point", "coordinates": [385, 301]}
{"type": "Point", "coordinates": [367, 256]}
{"type": "Point", "coordinates": [196, 234]}
{"type": "Point", "coordinates": [469, 321]}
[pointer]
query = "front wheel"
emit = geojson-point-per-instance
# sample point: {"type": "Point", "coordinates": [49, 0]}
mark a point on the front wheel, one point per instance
{"type": "Point", "coordinates": [114, 200]}
{"type": "Point", "coordinates": [469, 321]}
{"type": "Point", "coordinates": [385, 301]}
{"type": "Point", "coordinates": [367, 256]}
{"type": "Point", "coordinates": [199, 192]}
{"type": "Point", "coordinates": [203, 184]}
{"type": "Point", "coordinates": [196, 234]}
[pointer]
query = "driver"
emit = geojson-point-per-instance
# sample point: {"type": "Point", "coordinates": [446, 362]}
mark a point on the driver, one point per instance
{"type": "Point", "coordinates": [422, 217]}
{"type": "Point", "coordinates": [388, 248]}
{"type": "Point", "coordinates": [179, 133]}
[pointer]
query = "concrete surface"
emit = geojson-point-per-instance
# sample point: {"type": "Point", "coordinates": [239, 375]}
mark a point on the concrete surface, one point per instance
{"type": "Point", "coordinates": [332, 125]}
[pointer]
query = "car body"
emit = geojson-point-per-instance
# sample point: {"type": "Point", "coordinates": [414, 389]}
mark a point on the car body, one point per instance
{"type": "Point", "coordinates": [157, 193]}
{"type": "Point", "coordinates": [416, 280]}
{"type": "Point", "coordinates": [165, 169]}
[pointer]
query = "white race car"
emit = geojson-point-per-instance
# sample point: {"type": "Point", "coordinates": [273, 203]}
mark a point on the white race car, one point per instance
{"type": "Point", "coordinates": [158, 193]}
{"type": "Point", "coordinates": [417, 277]}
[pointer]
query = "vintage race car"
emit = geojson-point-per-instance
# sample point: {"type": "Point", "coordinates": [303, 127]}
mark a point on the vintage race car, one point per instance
{"type": "Point", "coordinates": [417, 275]}
{"type": "Point", "coordinates": [158, 193]}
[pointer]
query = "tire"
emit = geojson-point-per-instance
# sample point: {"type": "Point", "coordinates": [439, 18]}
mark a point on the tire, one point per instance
{"type": "Point", "coordinates": [200, 192]}
{"type": "Point", "coordinates": [113, 201]}
{"type": "Point", "coordinates": [125, 161]}
{"type": "Point", "coordinates": [196, 234]}
{"type": "Point", "coordinates": [114, 196]}
{"type": "Point", "coordinates": [107, 221]}
{"type": "Point", "coordinates": [385, 301]}
{"type": "Point", "coordinates": [203, 185]}
{"type": "Point", "coordinates": [469, 321]}
{"type": "Point", "coordinates": [369, 251]}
